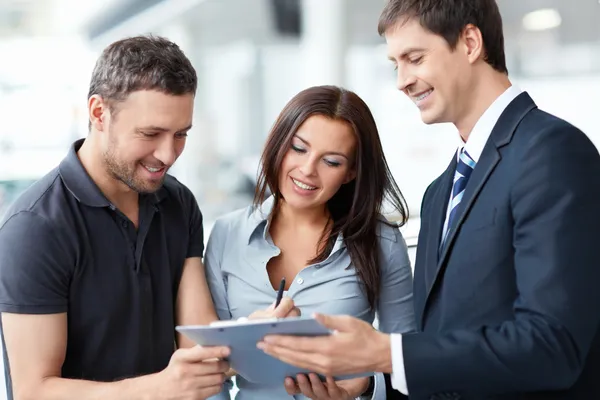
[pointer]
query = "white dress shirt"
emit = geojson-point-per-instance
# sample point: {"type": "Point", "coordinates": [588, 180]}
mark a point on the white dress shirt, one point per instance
{"type": "Point", "coordinates": [474, 147]}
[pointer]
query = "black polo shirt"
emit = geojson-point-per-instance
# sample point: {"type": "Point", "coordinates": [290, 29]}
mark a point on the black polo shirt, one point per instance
{"type": "Point", "coordinates": [65, 248]}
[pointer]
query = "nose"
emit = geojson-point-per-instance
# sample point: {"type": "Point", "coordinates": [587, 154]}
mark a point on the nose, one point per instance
{"type": "Point", "coordinates": [405, 79]}
{"type": "Point", "coordinates": [167, 151]}
{"type": "Point", "coordinates": [309, 167]}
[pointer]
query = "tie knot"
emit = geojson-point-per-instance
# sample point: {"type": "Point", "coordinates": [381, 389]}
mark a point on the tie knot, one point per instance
{"type": "Point", "coordinates": [465, 164]}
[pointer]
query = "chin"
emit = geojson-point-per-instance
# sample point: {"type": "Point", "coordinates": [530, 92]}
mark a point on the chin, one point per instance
{"type": "Point", "coordinates": [431, 117]}
{"type": "Point", "coordinates": [298, 203]}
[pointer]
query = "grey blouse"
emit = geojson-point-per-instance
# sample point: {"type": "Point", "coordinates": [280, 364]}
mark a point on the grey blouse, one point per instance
{"type": "Point", "coordinates": [237, 253]}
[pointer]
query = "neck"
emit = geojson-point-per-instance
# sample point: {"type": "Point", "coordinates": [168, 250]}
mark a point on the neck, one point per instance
{"type": "Point", "coordinates": [487, 88]}
{"type": "Point", "coordinates": [114, 190]}
{"type": "Point", "coordinates": [314, 218]}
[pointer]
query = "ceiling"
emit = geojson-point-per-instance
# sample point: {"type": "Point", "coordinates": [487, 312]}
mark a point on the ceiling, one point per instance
{"type": "Point", "coordinates": [220, 21]}
{"type": "Point", "coordinates": [254, 18]}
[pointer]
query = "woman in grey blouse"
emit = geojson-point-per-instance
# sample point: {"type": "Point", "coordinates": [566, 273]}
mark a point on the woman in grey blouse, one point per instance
{"type": "Point", "coordinates": [322, 230]}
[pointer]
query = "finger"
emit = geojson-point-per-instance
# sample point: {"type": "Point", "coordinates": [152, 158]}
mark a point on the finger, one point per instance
{"type": "Point", "coordinates": [209, 368]}
{"type": "Point", "coordinates": [290, 386]}
{"type": "Point", "coordinates": [209, 380]}
{"type": "Point", "coordinates": [285, 306]}
{"type": "Point", "coordinates": [294, 312]}
{"type": "Point", "coordinates": [305, 386]}
{"type": "Point", "coordinates": [260, 314]}
{"type": "Point", "coordinates": [333, 388]}
{"type": "Point", "coordinates": [231, 372]}
{"type": "Point", "coordinates": [301, 344]}
{"type": "Point", "coordinates": [201, 353]}
{"type": "Point", "coordinates": [304, 360]}
{"type": "Point", "coordinates": [209, 391]}
{"type": "Point", "coordinates": [318, 388]}
{"type": "Point", "coordinates": [340, 323]}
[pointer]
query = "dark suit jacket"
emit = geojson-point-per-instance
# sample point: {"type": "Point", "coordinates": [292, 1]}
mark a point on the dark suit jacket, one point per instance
{"type": "Point", "coordinates": [510, 308]}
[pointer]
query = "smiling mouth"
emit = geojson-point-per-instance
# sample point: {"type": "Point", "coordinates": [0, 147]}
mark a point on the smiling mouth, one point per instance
{"type": "Point", "coordinates": [153, 169]}
{"type": "Point", "coordinates": [303, 185]}
{"type": "Point", "coordinates": [423, 96]}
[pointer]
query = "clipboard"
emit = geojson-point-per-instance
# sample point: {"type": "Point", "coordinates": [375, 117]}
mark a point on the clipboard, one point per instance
{"type": "Point", "coordinates": [241, 336]}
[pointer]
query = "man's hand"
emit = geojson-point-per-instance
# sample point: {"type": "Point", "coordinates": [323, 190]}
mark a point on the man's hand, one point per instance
{"type": "Point", "coordinates": [194, 373]}
{"type": "Point", "coordinates": [312, 387]}
{"type": "Point", "coordinates": [285, 309]}
{"type": "Point", "coordinates": [354, 347]}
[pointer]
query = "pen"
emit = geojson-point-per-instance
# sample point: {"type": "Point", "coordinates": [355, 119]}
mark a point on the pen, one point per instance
{"type": "Point", "coordinates": [280, 292]}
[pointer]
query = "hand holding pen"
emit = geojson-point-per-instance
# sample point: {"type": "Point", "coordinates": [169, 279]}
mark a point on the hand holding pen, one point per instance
{"type": "Point", "coordinates": [282, 307]}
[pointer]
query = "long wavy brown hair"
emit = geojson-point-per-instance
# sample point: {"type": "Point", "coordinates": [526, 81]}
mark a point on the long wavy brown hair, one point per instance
{"type": "Point", "coordinates": [356, 208]}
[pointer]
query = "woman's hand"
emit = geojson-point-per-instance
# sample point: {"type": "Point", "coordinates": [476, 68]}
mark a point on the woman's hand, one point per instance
{"type": "Point", "coordinates": [285, 309]}
{"type": "Point", "coordinates": [312, 387]}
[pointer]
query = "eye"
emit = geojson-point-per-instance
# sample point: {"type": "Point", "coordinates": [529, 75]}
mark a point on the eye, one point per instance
{"type": "Point", "coordinates": [149, 134]}
{"type": "Point", "coordinates": [181, 135]}
{"type": "Point", "coordinates": [416, 60]}
{"type": "Point", "coordinates": [298, 149]}
{"type": "Point", "coordinates": [332, 163]}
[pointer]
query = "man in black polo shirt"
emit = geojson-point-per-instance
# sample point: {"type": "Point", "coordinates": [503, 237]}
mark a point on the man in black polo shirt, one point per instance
{"type": "Point", "coordinates": [101, 258]}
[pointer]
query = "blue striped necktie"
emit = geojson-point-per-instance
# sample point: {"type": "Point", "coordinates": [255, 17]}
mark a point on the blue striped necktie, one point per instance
{"type": "Point", "coordinates": [464, 168]}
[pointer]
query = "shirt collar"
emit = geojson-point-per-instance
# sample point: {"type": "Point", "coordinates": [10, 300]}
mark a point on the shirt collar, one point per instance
{"type": "Point", "coordinates": [259, 225]}
{"type": "Point", "coordinates": [259, 218]}
{"type": "Point", "coordinates": [484, 126]}
{"type": "Point", "coordinates": [81, 185]}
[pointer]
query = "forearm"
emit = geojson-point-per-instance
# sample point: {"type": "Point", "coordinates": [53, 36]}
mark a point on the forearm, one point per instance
{"type": "Point", "coordinates": [55, 388]}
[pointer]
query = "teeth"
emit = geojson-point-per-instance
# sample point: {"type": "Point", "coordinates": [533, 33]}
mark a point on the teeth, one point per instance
{"type": "Point", "coordinates": [421, 97]}
{"type": "Point", "coordinates": [302, 185]}
{"type": "Point", "coordinates": [152, 169]}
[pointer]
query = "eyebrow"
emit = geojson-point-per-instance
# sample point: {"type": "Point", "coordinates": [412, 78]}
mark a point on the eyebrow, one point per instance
{"type": "Point", "coordinates": [406, 52]}
{"type": "Point", "coordinates": [161, 129]}
{"type": "Point", "coordinates": [334, 153]}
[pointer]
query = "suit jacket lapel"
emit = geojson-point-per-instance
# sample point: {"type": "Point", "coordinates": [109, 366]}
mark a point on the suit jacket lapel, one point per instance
{"type": "Point", "coordinates": [490, 157]}
{"type": "Point", "coordinates": [438, 217]}
{"type": "Point", "coordinates": [430, 236]}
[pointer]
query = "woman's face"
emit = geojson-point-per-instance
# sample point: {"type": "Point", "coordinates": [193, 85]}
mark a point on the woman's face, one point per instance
{"type": "Point", "coordinates": [320, 160]}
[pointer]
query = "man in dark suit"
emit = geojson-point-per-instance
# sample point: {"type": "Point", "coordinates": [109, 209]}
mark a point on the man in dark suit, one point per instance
{"type": "Point", "coordinates": [508, 263]}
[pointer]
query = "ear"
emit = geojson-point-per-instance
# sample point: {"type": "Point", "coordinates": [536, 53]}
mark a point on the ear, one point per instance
{"type": "Point", "coordinates": [98, 112]}
{"type": "Point", "coordinates": [350, 176]}
{"type": "Point", "coordinates": [472, 41]}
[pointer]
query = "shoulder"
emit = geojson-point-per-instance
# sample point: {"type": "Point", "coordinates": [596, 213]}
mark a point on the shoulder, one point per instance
{"type": "Point", "coordinates": [564, 151]}
{"type": "Point", "coordinates": [546, 131]}
{"type": "Point", "coordinates": [392, 245]}
{"type": "Point", "coordinates": [28, 237]}
{"type": "Point", "coordinates": [239, 222]}
{"type": "Point", "coordinates": [45, 200]}
{"type": "Point", "coordinates": [387, 230]}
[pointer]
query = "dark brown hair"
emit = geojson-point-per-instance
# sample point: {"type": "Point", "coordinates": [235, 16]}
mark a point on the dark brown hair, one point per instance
{"type": "Point", "coordinates": [448, 18]}
{"type": "Point", "coordinates": [357, 206]}
{"type": "Point", "coordinates": [141, 63]}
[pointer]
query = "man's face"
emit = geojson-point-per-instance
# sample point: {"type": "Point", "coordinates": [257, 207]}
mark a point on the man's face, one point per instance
{"type": "Point", "coordinates": [145, 137]}
{"type": "Point", "coordinates": [435, 77]}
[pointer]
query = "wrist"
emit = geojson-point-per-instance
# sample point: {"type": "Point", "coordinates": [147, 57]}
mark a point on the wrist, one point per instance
{"type": "Point", "coordinates": [355, 387]}
{"type": "Point", "coordinates": [383, 353]}
{"type": "Point", "coordinates": [154, 386]}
